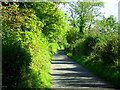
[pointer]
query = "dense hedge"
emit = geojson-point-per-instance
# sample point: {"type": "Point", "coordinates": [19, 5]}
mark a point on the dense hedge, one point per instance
{"type": "Point", "coordinates": [27, 51]}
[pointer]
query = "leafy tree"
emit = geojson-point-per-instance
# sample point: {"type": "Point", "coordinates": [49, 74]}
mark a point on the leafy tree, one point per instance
{"type": "Point", "coordinates": [84, 13]}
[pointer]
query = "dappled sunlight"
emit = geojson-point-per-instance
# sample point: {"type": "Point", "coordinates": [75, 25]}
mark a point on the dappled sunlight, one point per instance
{"type": "Point", "coordinates": [59, 58]}
{"type": "Point", "coordinates": [68, 74]}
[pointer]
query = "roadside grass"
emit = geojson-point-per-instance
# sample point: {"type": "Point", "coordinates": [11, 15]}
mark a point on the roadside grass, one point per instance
{"type": "Point", "coordinates": [110, 75]}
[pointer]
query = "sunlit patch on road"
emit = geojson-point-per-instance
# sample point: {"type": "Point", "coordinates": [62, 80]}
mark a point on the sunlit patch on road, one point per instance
{"type": "Point", "coordinates": [65, 73]}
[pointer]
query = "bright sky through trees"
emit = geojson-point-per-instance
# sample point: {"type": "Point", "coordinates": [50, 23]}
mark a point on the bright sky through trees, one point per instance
{"type": "Point", "coordinates": [110, 8]}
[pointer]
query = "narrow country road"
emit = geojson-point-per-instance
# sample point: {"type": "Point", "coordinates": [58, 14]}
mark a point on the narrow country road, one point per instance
{"type": "Point", "coordinates": [67, 74]}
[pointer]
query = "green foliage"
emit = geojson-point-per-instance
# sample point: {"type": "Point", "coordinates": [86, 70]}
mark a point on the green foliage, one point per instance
{"type": "Point", "coordinates": [23, 47]}
{"type": "Point", "coordinates": [86, 47]}
{"type": "Point", "coordinates": [32, 34]}
{"type": "Point", "coordinates": [34, 31]}
{"type": "Point", "coordinates": [101, 54]}
{"type": "Point", "coordinates": [53, 47]}
{"type": "Point", "coordinates": [73, 35]}
{"type": "Point", "coordinates": [94, 43]}
{"type": "Point", "coordinates": [83, 46]}
{"type": "Point", "coordinates": [54, 21]}
{"type": "Point", "coordinates": [109, 50]}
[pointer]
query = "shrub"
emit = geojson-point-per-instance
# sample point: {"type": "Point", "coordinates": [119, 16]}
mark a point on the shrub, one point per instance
{"type": "Point", "coordinates": [84, 46]}
{"type": "Point", "coordinates": [106, 50]}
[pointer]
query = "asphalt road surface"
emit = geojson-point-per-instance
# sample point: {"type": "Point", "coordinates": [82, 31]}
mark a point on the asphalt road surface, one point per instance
{"type": "Point", "coordinates": [69, 75]}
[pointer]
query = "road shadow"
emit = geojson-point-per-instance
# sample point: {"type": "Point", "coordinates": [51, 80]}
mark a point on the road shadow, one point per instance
{"type": "Point", "coordinates": [67, 73]}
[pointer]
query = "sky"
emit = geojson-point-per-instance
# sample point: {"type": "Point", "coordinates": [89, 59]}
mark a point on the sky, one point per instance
{"type": "Point", "coordinates": [110, 8]}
